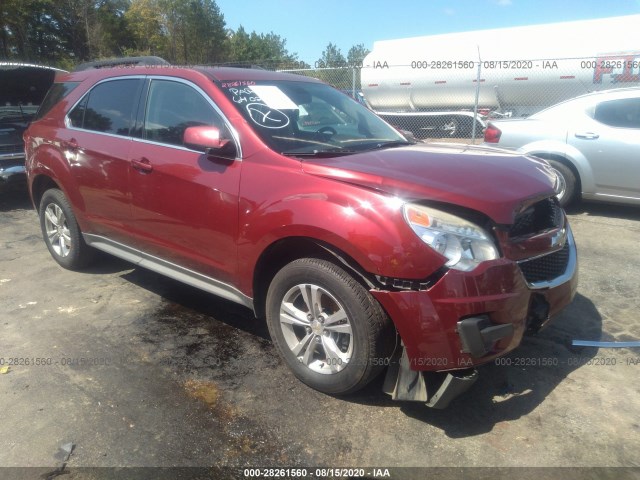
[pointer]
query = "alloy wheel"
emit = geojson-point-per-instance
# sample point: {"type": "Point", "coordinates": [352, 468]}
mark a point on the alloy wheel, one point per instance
{"type": "Point", "coordinates": [57, 230]}
{"type": "Point", "coordinates": [316, 328]}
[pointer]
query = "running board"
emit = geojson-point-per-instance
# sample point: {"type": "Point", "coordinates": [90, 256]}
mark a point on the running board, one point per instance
{"type": "Point", "coordinates": [168, 269]}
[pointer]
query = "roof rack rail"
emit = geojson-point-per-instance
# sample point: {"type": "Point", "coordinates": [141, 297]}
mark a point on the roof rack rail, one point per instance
{"type": "Point", "coordinates": [240, 65]}
{"type": "Point", "coordinates": [121, 62]}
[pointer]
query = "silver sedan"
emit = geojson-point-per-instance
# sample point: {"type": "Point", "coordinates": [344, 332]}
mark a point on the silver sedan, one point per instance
{"type": "Point", "coordinates": [592, 141]}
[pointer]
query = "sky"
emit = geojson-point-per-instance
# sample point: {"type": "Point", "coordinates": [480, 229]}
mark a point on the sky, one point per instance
{"type": "Point", "coordinates": [309, 25]}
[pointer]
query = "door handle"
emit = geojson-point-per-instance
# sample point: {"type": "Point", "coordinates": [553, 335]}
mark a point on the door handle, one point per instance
{"type": "Point", "coordinates": [143, 165]}
{"type": "Point", "coordinates": [587, 135]}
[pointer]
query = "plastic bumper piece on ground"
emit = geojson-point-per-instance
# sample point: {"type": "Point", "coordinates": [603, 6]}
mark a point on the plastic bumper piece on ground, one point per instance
{"type": "Point", "coordinates": [436, 389]}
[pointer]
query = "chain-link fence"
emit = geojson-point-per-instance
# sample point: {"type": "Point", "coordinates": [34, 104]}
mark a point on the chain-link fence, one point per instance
{"type": "Point", "coordinates": [456, 99]}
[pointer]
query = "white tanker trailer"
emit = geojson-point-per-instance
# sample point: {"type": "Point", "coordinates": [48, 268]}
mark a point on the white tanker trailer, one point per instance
{"type": "Point", "coordinates": [430, 83]}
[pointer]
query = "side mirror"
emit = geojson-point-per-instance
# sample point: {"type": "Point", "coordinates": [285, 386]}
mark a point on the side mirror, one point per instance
{"type": "Point", "coordinates": [209, 139]}
{"type": "Point", "coordinates": [408, 134]}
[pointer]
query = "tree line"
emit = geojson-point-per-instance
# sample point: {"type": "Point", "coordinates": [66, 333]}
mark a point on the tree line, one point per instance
{"type": "Point", "coordinates": [63, 33]}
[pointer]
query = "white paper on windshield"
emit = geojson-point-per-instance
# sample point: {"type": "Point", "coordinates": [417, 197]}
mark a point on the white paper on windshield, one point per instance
{"type": "Point", "coordinates": [274, 97]}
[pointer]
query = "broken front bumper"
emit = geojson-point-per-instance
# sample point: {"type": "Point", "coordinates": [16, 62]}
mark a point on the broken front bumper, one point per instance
{"type": "Point", "coordinates": [470, 318]}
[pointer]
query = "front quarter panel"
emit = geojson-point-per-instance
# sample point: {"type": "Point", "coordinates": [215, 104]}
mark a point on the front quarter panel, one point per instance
{"type": "Point", "coordinates": [363, 224]}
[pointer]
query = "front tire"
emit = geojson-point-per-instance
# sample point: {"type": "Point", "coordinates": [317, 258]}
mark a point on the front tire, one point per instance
{"type": "Point", "coordinates": [61, 232]}
{"type": "Point", "coordinates": [327, 327]}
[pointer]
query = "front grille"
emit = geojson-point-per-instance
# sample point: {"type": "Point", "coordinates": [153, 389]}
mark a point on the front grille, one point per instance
{"type": "Point", "coordinates": [540, 216]}
{"type": "Point", "coordinates": [546, 268]}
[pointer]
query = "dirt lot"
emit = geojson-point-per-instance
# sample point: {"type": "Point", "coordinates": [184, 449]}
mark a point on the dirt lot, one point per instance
{"type": "Point", "coordinates": [137, 370]}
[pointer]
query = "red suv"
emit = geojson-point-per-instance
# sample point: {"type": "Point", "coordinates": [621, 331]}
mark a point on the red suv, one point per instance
{"type": "Point", "coordinates": [363, 250]}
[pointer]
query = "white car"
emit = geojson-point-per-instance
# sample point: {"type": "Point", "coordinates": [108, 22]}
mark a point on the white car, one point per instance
{"type": "Point", "coordinates": [592, 141]}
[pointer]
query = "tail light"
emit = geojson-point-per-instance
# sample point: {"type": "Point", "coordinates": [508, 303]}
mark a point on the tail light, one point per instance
{"type": "Point", "coordinates": [492, 134]}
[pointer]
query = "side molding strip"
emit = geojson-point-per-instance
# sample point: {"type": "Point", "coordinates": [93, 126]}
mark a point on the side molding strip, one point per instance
{"type": "Point", "coordinates": [168, 269]}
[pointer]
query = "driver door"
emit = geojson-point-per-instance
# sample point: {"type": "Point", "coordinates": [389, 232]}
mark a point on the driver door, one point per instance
{"type": "Point", "coordinates": [610, 141]}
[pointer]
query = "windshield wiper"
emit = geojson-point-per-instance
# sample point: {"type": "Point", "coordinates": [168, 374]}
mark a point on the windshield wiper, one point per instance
{"type": "Point", "coordinates": [393, 143]}
{"type": "Point", "coordinates": [319, 153]}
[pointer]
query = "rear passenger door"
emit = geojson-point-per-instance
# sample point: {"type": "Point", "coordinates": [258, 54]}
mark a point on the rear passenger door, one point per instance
{"type": "Point", "coordinates": [184, 203]}
{"type": "Point", "coordinates": [97, 145]}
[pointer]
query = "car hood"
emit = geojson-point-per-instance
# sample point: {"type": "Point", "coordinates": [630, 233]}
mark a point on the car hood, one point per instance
{"type": "Point", "coordinates": [494, 182]}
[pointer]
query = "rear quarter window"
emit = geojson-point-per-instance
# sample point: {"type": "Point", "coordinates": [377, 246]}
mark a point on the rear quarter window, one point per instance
{"type": "Point", "coordinates": [57, 92]}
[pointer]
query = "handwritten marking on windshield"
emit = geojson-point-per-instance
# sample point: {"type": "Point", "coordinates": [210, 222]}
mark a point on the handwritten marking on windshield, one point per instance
{"type": "Point", "coordinates": [266, 116]}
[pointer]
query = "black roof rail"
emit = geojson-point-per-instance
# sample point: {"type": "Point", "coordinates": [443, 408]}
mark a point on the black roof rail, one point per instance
{"type": "Point", "coordinates": [122, 62]}
{"type": "Point", "coordinates": [241, 65]}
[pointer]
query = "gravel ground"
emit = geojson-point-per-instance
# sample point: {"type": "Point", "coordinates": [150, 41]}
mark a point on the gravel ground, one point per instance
{"type": "Point", "coordinates": [137, 370]}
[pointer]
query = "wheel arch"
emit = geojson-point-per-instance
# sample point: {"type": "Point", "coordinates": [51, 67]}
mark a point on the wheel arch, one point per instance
{"type": "Point", "coordinates": [565, 161]}
{"type": "Point", "coordinates": [47, 167]}
{"type": "Point", "coordinates": [569, 156]}
{"type": "Point", "coordinates": [40, 184]}
{"type": "Point", "coordinates": [286, 250]}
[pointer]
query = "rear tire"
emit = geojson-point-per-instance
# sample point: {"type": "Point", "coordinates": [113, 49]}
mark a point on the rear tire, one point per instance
{"type": "Point", "coordinates": [327, 327]}
{"type": "Point", "coordinates": [61, 232]}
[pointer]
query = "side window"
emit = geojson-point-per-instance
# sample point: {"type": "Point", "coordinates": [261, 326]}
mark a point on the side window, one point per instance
{"type": "Point", "coordinates": [171, 108]}
{"type": "Point", "coordinates": [108, 107]}
{"type": "Point", "coordinates": [623, 113]}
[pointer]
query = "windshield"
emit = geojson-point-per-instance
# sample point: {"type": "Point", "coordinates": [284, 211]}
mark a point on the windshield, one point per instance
{"type": "Point", "coordinates": [307, 119]}
{"type": "Point", "coordinates": [564, 110]}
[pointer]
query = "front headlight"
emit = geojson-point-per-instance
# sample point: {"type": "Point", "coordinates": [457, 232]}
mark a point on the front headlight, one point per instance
{"type": "Point", "coordinates": [464, 244]}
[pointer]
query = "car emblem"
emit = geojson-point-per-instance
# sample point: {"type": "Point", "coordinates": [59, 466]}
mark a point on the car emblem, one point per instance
{"type": "Point", "coordinates": [558, 240]}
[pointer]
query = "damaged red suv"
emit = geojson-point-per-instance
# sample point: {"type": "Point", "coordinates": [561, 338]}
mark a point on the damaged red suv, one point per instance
{"type": "Point", "coordinates": [363, 250]}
